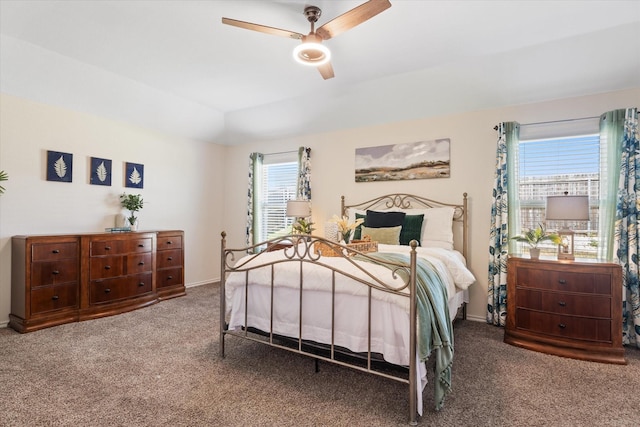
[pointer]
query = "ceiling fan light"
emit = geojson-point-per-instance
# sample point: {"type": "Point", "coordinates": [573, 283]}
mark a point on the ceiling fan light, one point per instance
{"type": "Point", "coordinates": [313, 54]}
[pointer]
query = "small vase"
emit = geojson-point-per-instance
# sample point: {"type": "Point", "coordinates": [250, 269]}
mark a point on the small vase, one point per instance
{"type": "Point", "coordinates": [534, 253]}
{"type": "Point", "coordinates": [134, 226]}
{"type": "Point", "coordinates": [346, 237]}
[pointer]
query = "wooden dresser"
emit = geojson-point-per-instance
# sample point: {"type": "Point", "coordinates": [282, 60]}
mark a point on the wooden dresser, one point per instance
{"type": "Point", "coordinates": [570, 309]}
{"type": "Point", "coordinates": [67, 278]}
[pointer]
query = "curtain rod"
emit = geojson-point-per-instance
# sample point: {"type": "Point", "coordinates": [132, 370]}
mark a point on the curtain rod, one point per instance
{"type": "Point", "coordinates": [558, 121]}
{"type": "Point", "coordinates": [281, 152]}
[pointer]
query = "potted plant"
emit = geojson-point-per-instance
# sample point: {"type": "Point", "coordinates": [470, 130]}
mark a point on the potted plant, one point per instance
{"type": "Point", "coordinates": [535, 236]}
{"type": "Point", "coordinates": [302, 226]}
{"type": "Point", "coordinates": [133, 203]}
{"type": "Point", "coordinates": [3, 177]}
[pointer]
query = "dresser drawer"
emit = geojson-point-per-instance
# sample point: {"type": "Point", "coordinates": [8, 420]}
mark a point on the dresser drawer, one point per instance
{"type": "Point", "coordinates": [107, 247]}
{"type": "Point", "coordinates": [54, 251]}
{"type": "Point", "coordinates": [169, 242]}
{"type": "Point", "coordinates": [105, 267]}
{"type": "Point", "coordinates": [564, 303]}
{"type": "Point", "coordinates": [110, 290]}
{"type": "Point", "coordinates": [139, 245]}
{"type": "Point", "coordinates": [169, 277]}
{"type": "Point", "coordinates": [170, 258]}
{"type": "Point", "coordinates": [139, 263]}
{"type": "Point", "coordinates": [55, 297]}
{"type": "Point", "coordinates": [565, 281]}
{"type": "Point", "coordinates": [578, 328]}
{"type": "Point", "coordinates": [54, 272]}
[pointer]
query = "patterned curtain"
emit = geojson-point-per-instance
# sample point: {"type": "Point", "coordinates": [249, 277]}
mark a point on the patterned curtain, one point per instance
{"type": "Point", "coordinates": [504, 193]}
{"type": "Point", "coordinates": [304, 173]}
{"type": "Point", "coordinates": [255, 165]}
{"type": "Point", "coordinates": [626, 235]}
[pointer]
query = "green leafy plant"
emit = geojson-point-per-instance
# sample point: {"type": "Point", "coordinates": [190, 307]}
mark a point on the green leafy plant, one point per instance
{"type": "Point", "coordinates": [3, 177]}
{"type": "Point", "coordinates": [133, 203]}
{"type": "Point", "coordinates": [302, 226]}
{"type": "Point", "coordinates": [536, 236]}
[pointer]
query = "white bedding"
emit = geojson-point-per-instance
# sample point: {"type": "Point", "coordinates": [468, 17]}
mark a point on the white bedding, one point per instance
{"type": "Point", "coordinates": [390, 313]}
{"type": "Point", "coordinates": [390, 322]}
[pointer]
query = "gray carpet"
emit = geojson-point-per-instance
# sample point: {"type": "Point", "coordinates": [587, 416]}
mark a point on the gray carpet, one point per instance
{"type": "Point", "coordinates": [159, 366]}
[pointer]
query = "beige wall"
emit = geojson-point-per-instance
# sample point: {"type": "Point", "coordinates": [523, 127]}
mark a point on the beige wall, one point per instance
{"type": "Point", "coordinates": [182, 189]}
{"type": "Point", "coordinates": [473, 144]}
{"type": "Point", "coordinates": [201, 188]}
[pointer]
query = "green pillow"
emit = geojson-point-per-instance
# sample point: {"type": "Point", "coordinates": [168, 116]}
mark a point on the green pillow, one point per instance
{"type": "Point", "coordinates": [383, 235]}
{"type": "Point", "coordinates": [411, 229]}
{"type": "Point", "coordinates": [356, 232]}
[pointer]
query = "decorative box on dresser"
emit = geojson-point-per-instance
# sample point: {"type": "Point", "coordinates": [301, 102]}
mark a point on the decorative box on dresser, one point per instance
{"type": "Point", "coordinates": [570, 309]}
{"type": "Point", "coordinates": [68, 278]}
{"type": "Point", "coordinates": [170, 259]}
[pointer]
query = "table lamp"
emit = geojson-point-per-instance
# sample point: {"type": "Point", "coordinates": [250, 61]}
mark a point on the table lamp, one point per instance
{"type": "Point", "coordinates": [567, 208]}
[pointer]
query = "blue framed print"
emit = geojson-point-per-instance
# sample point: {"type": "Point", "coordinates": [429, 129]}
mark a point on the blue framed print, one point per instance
{"type": "Point", "coordinates": [134, 175]}
{"type": "Point", "coordinates": [59, 166]}
{"type": "Point", "coordinates": [100, 171]}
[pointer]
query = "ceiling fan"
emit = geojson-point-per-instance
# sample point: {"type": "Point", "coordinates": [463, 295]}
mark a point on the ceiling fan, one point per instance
{"type": "Point", "coordinates": [311, 51]}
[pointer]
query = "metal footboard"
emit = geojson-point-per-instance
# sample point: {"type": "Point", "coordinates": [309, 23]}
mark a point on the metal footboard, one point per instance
{"type": "Point", "coordinates": [300, 251]}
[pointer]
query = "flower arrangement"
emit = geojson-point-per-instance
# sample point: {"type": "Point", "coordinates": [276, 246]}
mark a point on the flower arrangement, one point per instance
{"type": "Point", "coordinates": [344, 228]}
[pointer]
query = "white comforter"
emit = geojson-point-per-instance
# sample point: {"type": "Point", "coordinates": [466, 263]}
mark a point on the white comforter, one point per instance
{"type": "Point", "coordinates": [390, 323]}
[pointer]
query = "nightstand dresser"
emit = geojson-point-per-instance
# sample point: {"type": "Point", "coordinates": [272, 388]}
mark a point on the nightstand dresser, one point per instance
{"type": "Point", "coordinates": [569, 309]}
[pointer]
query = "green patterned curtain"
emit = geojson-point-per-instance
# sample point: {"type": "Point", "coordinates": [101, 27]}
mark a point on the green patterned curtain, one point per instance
{"type": "Point", "coordinates": [626, 234]}
{"type": "Point", "coordinates": [504, 199]}
{"type": "Point", "coordinates": [304, 173]}
{"type": "Point", "coordinates": [253, 207]}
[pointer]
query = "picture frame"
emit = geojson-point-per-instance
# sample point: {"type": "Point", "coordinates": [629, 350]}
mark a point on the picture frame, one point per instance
{"type": "Point", "coordinates": [59, 166]}
{"type": "Point", "coordinates": [134, 175]}
{"type": "Point", "coordinates": [405, 161]}
{"type": "Point", "coordinates": [100, 171]}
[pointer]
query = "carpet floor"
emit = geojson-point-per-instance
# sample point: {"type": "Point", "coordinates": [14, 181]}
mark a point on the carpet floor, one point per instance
{"type": "Point", "coordinates": [159, 366]}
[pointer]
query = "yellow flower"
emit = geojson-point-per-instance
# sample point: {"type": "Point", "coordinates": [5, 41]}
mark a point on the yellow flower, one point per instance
{"type": "Point", "coordinates": [343, 223]}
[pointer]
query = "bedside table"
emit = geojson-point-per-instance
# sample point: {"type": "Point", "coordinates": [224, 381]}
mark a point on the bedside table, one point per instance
{"type": "Point", "coordinates": [569, 309]}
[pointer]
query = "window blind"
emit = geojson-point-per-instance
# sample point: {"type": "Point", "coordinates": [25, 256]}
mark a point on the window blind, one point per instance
{"type": "Point", "coordinates": [279, 184]}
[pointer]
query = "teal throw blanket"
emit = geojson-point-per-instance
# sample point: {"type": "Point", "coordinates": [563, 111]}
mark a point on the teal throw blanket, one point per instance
{"type": "Point", "coordinates": [435, 332]}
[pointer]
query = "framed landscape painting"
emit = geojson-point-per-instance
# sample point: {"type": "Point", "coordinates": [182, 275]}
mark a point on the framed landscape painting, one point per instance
{"type": "Point", "coordinates": [415, 160]}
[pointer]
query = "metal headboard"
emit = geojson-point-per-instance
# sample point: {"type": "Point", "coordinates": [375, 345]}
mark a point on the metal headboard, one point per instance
{"type": "Point", "coordinates": [409, 201]}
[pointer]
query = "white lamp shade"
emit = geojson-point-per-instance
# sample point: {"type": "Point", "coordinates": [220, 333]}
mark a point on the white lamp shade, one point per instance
{"type": "Point", "coordinates": [299, 208]}
{"type": "Point", "coordinates": [567, 208]}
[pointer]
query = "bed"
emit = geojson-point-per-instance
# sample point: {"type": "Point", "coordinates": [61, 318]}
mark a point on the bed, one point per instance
{"type": "Point", "coordinates": [367, 310]}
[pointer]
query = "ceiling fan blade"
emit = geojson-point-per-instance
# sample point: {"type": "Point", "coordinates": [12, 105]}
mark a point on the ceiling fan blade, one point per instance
{"type": "Point", "coordinates": [326, 70]}
{"type": "Point", "coordinates": [262, 28]}
{"type": "Point", "coordinates": [350, 19]}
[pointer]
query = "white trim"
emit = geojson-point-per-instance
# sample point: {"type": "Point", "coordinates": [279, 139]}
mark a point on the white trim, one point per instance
{"type": "Point", "coordinates": [202, 282]}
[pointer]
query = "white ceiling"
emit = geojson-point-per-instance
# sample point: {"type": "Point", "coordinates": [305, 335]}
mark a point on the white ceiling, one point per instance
{"type": "Point", "coordinates": [174, 67]}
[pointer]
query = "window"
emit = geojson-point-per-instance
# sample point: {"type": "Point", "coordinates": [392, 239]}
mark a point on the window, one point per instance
{"type": "Point", "coordinates": [549, 165]}
{"type": "Point", "coordinates": [277, 185]}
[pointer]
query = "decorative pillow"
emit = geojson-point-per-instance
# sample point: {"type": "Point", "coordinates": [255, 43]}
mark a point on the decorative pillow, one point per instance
{"type": "Point", "coordinates": [383, 235]}
{"type": "Point", "coordinates": [375, 219]}
{"type": "Point", "coordinates": [411, 229]}
{"type": "Point", "coordinates": [356, 231]}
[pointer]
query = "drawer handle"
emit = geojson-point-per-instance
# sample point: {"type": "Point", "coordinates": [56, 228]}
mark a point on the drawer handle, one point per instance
{"type": "Point", "coordinates": [562, 325]}
{"type": "Point", "coordinates": [141, 284]}
{"type": "Point", "coordinates": [141, 263]}
{"type": "Point", "coordinates": [562, 303]}
{"type": "Point", "coordinates": [169, 277]}
{"type": "Point", "coordinates": [55, 297]}
{"type": "Point", "coordinates": [562, 281]}
{"type": "Point", "coordinates": [107, 267]}
{"type": "Point", "coordinates": [55, 251]}
{"type": "Point", "coordinates": [169, 242]}
{"type": "Point", "coordinates": [141, 245]}
{"type": "Point", "coordinates": [107, 290]}
{"type": "Point", "coordinates": [169, 258]}
{"type": "Point", "coordinates": [107, 248]}
{"type": "Point", "coordinates": [55, 272]}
